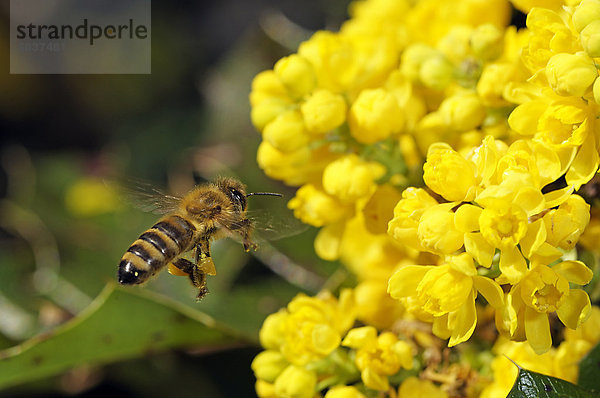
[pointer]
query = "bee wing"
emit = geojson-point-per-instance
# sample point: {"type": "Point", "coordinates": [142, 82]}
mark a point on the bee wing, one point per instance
{"type": "Point", "coordinates": [149, 198]}
{"type": "Point", "coordinates": [270, 225]}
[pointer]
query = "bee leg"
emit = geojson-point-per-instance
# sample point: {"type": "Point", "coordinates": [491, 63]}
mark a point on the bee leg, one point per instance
{"type": "Point", "coordinates": [245, 228]}
{"type": "Point", "coordinates": [197, 277]}
{"type": "Point", "coordinates": [184, 265]}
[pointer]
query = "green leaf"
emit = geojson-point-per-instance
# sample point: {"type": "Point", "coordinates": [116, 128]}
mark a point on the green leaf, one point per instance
{"type": "Point", "coordinates": [119, 324]}
{"type": "Point", "coordinates": [589, 370]}
{"type": "Point", "coordinates": [534, 385]}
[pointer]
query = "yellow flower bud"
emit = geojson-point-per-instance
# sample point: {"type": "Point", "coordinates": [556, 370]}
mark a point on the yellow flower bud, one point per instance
{"type": "Point", "coordinates": [449, 174]}
{"type": "Point", "coordinates": [328, 240]}
{"type": "Point", "coordinates": [565, 224]}
{"type": "Point", "coordinates": [437, 233]}
{"type": "Point", "coordinates": [456, 44]}
{"type": "Point", "coordinates": [323, 111]}
{"type": "Point", "coordinates": [586, 12]}
{"type": "Point", "coordinates": [462, 112]}
{"type": "Point", "coordinates": [590, 38]}
{"type": "Point", "coordinates": [350, 178]}
{"type": "Point", "coordinates": [297, 74]}
{"type": "Point", "coordinates": [436, 72]}
{"type": "Point", "coordinates": [570, 74]}
{"type": "Point", "coordinates": [265, 85]}
{"type": "Point", "coordinates": [487, 42]}
{"type": "Point", "coordinates": [413, 58]}
{"type": "Point", "coordinates": [374, 116]}
{"type": "Point", "coordinates": [267, 110]}
{"type": "Point", "coordinates": [286, 132]}
{"type": "Point", "coordinates": [271, 333]}
{"type": "Point", "coordinates": [296, 382]}
{"type": "Point", "coordinates": [264, 389]}
{"type": "Point", "coordinates": [283, 166]}
{"type": "Point", "coordinates": [268, 365]}
{"type": "Point", "coordinates": [344, 392]}
{"type": "Point", "coordinates": [317, 208]}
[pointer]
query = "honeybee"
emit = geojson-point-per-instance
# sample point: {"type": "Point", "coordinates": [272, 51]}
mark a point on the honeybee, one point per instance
{"type": "Point", "coordinates": [181, 238]}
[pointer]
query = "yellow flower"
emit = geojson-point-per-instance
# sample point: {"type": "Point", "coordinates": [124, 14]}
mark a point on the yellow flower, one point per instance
{"type": "Point", "coordinates": [544, 290]}
{"type": "Point", "coordinates": [268, 365]}
{"type": "Point", "coordinates": [323, 111]}
{"type": "Point", "coordinates": [374, 116]}
{"type": "Point", "coordinates": [317, 208]}
{"type": "Point", "coordinates": [266, 85]}
{"type": "Point", "coordinates": [565, 225]}
{"type": "Point", "coordinates": [286, 132]}
{"type": "Point", "coordinates": [571, 74]}
{"type": "Point", "coordinates": [462, 112]}
{"type": "Point", "coordinates": [350, 178]}
{"type": "Point", "coordinates": [448, 293]}
{"type": "Point", "coordinates": [436, 72]}
{"type": "Point", "coordinates": [296, 382]}
{"type": "Point", "coordinates": [449, 174]}
{"type": "Point", "coordinates": [586, 12]}
{"type": "Point", "coordinates": [378, 357]}
{"type": "Point", "coordinates": [407, 213]}
{"type": "Point", "coordinates": [437, 233]}
{"type": "Point", "coordinates": [265, 389]}
{"type": "Point", "coordinates": [590, 38]}
{"type": "Point", "coordinates": [314, 325]}
{"type": "Point", "coordinates": [413, 387]}
{"type": "Point", "coordinates": [297, 75]}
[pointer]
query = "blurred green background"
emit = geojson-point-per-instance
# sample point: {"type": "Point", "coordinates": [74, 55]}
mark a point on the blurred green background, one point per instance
{"type": "Point", "coordinates": [65, 327]}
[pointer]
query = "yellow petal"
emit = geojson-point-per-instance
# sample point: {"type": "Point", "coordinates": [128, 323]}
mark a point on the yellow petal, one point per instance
{"type": "Point", "coordinates": [531, 200]}
{"type": "Point", "coordinates": [512, 264]}
{"type": "Point", "coordinates": [479, 249]}
{"type": "Point", "coordinates": [585, 164]}
{"type": "Point", "coordinates": [533, 239]}
{"type": "Point", "coordinates": [463, 322]}
{"type": "Point", "coordinates": [404, 282]}
{"type": "Point", "coordinates": [374, 380]}
{"type": "Point", "coordinates": [524, 118]}
{"type": "Point", "coordinates": [537, 330]}
{"type": "Point", "coordinates": [557, 197]}
{"type": "Point", "coordinates": [490, 290]}
{"type": "Point", "coordinates": [440, 327]}
{"type": "Point", "coordinates": [466, 218]}
{"type": "Point", "coordinates": [574, 271]}
{"type": "Point", "coordinates": [576, 309]}
{"type": "Point", "coordinates": [325, 339]}
{"type": "Point", "coordinates": [359, 337]}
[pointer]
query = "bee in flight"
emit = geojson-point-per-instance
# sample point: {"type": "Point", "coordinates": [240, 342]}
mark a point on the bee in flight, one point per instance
{"type": "Point", "coordinates": [181, 238]}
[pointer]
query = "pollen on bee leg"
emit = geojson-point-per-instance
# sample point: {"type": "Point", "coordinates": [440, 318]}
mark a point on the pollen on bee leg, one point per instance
{"type": "Point", "coordinates": [207, 266]}
{"type": "Point", "coordinates": [173, 270]}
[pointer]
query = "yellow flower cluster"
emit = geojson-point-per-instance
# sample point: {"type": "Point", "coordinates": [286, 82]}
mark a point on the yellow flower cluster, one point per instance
{"type": "Point", "coordinates": [441, 153]}
{"type": "Point", "coordinates": [305, 350]}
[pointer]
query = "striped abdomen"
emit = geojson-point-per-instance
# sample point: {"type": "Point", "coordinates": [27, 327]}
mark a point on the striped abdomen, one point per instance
{"type": "Point", "coordinates": [155, 248]}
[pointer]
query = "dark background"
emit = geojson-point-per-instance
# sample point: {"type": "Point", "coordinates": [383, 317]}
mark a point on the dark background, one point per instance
{"type": "Point", "coordinates": [165, 127]}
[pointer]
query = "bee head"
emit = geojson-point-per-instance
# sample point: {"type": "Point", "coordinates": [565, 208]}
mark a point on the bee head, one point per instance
{"type": "Point", "coordinates": [234, 190]}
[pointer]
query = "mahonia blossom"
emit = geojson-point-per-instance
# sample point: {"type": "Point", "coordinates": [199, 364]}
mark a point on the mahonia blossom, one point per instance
{"type": "Point", "coordinates": [444, 157]}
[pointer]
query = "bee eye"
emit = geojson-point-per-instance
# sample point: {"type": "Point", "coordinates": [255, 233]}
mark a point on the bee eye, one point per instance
{"type": "Point", "coordinates": [238, 198]}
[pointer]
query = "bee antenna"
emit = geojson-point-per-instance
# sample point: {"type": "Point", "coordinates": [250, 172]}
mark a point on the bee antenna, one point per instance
{"type": "Point", "coordinates": [264, 193]}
